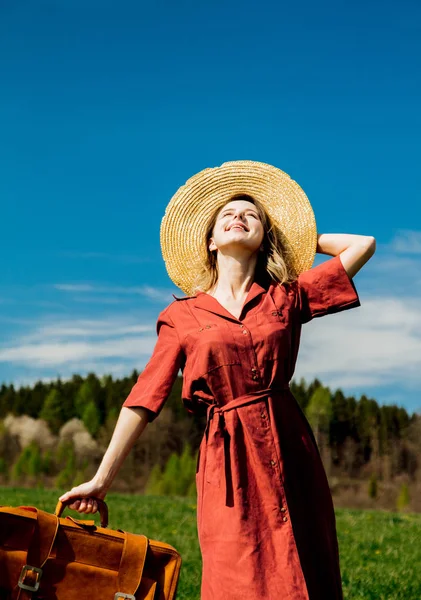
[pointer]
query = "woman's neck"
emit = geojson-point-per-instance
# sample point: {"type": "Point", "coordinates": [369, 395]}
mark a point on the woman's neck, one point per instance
{"type": "Point", "coordinates": [235, 276]}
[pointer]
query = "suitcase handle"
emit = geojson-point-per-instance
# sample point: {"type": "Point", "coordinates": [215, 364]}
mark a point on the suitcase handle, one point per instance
{"type": "Point", "coordinates": [103, 509]}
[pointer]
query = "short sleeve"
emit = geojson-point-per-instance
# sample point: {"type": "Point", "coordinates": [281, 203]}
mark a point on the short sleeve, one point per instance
{"type": "Point", "coordinates": [325, 289]}
{"type": "Point", "coordinates": [155, 382]}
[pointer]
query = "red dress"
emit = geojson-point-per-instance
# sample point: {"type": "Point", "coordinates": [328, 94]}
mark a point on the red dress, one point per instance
{"type": "Point", "coordinates": [265, 517]}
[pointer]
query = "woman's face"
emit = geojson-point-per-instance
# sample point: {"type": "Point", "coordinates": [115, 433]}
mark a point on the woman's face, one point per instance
{"type": "Point", "coordinates": [237, 224]}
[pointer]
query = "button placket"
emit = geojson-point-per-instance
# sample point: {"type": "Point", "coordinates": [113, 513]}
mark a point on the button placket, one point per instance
{"type": "Point", "coordinates": [275, 465]}
{"type": "Point", "coordinates": [248, 351]}
{"type": "Point", "coordinates": [282, 509]}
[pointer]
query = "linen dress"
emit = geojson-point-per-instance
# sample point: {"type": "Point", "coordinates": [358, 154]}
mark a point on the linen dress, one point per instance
{"type": "Point", "coordinates": [265, 517]}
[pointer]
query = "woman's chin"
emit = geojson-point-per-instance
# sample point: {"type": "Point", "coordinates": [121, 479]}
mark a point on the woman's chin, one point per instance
{"type": "Point", "coordinates": [240, 245]}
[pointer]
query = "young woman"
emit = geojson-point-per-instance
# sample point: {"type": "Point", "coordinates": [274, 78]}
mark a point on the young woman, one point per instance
{"type": "Point", "coordinates": [240, 239]}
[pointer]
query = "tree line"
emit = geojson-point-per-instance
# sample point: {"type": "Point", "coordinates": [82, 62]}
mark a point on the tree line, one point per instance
{"type": "Point", "coordinates": [356, 437]}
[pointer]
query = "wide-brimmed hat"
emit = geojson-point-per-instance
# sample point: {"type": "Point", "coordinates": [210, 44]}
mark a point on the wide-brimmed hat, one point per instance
{"type": "Point", "coordinates": [183, 226]}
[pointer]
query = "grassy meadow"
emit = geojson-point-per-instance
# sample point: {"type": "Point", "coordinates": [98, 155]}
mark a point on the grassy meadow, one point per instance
{"type": "Point", "coordinates": [380, 552]}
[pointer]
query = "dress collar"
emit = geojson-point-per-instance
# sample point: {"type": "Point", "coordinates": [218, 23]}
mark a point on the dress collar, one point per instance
{"type": "Point", "coordinates": [211, 304]}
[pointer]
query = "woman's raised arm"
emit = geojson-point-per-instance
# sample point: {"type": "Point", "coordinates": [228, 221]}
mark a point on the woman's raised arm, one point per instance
{"type": "Point", "coordinates": [355, 250]}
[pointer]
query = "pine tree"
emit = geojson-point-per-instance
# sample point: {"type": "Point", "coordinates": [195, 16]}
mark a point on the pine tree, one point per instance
{"type": "Point", "coordinates": [178, 477]}
{"type": "Point", "coordinates": [187, 469]}
{"type": "Point", "coordinates": [66, 458]}
{"type": "Point", "coordinates": [91, 418]}
{"type": "Point", "coordinates": [28, 463]}
{"type": "Point", "coordinates": [84, 396]}
{"type": "Point", "coordinates": [171, 478]}
{"type": "Point", "coordinates": [154, 484]}
{"type": "Point", "coordinates": [34, 460]}
{"type": "Point", "coordinates": [52, 411]}
{"type": "Point", "coordinates": [319, 411]}
{"type": "Point", "coordinates": [47, 462]}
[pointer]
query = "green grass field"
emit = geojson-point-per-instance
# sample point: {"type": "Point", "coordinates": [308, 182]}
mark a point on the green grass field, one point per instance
{"type": "Point", "coordinates": [380, 552]}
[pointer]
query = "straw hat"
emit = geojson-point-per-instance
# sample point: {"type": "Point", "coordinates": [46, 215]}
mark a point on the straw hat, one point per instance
{"type": "Point", "coordinates": [183, 226]}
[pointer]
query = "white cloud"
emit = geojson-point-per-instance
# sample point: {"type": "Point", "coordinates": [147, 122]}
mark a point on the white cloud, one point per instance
{"type": "Point", "coordinates": [374, 345]}
{"type": "Point", "coordinates": [155, 293]}
{"type": "Point", "coordinates": [110, 300]}
{"type": "Point", "coordinates": [394, 263]}
{"type": "Point", "coordinates": [160, 294]}
{"type": "Point", "coordinates": [86, 328]}
{"type": "Point", "coordinates": [64, 342]}
{"type": "Point", "coordinates": [391, 273]}
{"type": "Point", "coordinates": [68, 287]}
{"type": "Point", "coordinates": [407, 241]}
{"type": "Point", "coordinates": [59, 353]}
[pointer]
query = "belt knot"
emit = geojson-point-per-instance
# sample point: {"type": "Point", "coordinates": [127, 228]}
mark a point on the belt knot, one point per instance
{"type": "Point", "coordinates": [218, 438]}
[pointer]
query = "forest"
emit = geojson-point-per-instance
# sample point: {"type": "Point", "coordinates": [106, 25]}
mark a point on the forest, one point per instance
{"type": "Point", "coordinates": [54, 435]}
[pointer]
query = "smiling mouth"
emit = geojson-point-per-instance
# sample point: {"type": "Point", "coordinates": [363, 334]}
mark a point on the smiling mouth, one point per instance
{"type": "Point", "coordinates": [237, 227]}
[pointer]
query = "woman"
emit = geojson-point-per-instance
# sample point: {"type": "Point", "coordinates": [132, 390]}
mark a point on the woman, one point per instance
{"type": "Point", "coordinates": [265, 517]}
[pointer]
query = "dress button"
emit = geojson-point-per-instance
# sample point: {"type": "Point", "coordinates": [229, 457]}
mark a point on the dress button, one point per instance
{"type": "Point", "coordinates": [272, 462]}
{"type": "Point", "coordinates": [207, 326]}
{"type": "Point", "coordinates": [263, 415]}
{"type": "Point", "coordinates": [274, 313]}
{"type": "Point", "coordinates": [245, 331]}
{"type": "Point", "coordinates": [255, 377]}
{"type": "Point", "coordinates": [283, 509]}
{"type": "Point", "coordinates": [285, 519]}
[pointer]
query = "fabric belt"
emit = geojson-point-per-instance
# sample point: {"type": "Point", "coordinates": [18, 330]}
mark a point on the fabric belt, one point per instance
{"type": "Point", "coordinates": [216, 434]}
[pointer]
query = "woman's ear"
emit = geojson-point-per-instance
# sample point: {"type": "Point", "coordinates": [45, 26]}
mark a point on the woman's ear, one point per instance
{"type": "Point", "coordinates": [211, 245]}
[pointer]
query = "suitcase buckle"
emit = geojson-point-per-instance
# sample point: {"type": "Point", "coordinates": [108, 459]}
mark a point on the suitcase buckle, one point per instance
{"type": "Point", "coordinates": [29, 578]}
{"type": "Point", "coordinates": [121, 596]}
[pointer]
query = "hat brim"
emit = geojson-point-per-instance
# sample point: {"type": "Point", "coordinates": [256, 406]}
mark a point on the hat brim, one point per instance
{"type": "Point", "coordinates": [183, 227]}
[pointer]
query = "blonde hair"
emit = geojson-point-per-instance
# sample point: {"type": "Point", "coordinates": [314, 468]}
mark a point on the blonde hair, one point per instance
{"type": "Point", "coordinates": [272, 262]}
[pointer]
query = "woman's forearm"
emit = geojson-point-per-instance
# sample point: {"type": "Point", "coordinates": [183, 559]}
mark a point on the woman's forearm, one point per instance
{"type": "Point", "coordinates": [335, 243]}
{"type": "Point", "coordinates": [355, 250]}
{"type": "Point", "coordinates": [130, 424]}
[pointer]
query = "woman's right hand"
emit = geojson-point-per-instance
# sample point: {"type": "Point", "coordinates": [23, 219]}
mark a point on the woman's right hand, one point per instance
{"type": "Point", "coordinates": [84, 495]}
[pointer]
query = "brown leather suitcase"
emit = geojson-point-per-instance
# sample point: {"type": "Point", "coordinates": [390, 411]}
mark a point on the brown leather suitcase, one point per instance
{"type": "Point", "coordinates": [46, 557]}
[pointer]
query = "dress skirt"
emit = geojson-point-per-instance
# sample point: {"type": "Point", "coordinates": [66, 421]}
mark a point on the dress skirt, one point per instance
{"type": "Point", "coordinates": [266, 522]}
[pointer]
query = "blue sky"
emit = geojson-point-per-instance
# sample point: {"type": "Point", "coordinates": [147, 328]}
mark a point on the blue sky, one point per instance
{"type": "Point", "coordinates": [107, 108]}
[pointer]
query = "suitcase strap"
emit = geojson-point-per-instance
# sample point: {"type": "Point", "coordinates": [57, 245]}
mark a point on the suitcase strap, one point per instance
{"type": "Point", "coordinates": [131, 565]}
{"type": "Point", "coordinates": [43, 536]}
